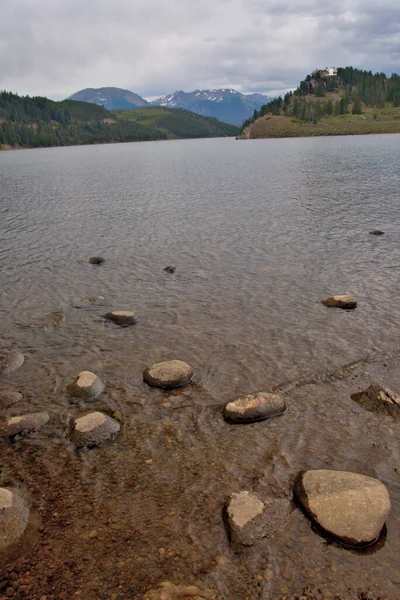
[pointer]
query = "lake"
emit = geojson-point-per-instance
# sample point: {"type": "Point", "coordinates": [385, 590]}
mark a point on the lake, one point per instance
{"type": "Point", "coordinates": [259, 232]}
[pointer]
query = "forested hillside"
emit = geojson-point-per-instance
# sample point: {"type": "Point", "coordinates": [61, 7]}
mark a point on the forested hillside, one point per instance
{"type": "Point", "coordinates": [323, 95]}
{"type": "Point", "coordinates": [39, 122]}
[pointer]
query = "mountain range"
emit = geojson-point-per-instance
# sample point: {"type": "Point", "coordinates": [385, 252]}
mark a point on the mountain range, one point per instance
{"type": "Point", "coordinates": [226, 105]}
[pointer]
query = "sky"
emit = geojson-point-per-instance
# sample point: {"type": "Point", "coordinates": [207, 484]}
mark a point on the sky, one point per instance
{"type": "Point", "coordinates": [54, 48]}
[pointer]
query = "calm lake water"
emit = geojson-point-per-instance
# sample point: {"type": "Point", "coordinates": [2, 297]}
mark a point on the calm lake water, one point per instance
{"type": "Point", "coordinates": [259, 231]}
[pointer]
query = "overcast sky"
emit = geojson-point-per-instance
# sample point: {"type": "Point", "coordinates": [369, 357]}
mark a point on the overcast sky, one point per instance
{"type": "Point", "coordinates": [153, 47]}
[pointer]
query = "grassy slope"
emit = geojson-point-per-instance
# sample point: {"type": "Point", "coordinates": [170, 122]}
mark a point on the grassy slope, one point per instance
{"type": "Point", "coordinates": [387, 121]}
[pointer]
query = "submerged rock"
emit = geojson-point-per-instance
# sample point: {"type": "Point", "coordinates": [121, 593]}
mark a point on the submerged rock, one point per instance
{"type": "Point", "coordinates": [96, 260]}
{"type": "Point", "coordinates": [26, 423]}
{"type": "Point", "coordinates": [377, 398]}
{"type": "Point", "coordinates": [8, 397]}
{"type": "Point", "coordinates": [94, 429]}
{"type": "Point", "coordinates": [89, 302]}
{"type": "Point", "coordinates": [87, 386]}
{"type": "Point", "coordinates": [11, 362]}
{"type": "Point", "coordinates": [170, 269]}
{"type": "Point", "coordinates": [169, 591]}
{"type": "Point", "coordinates": [14, 515]}
{"type": "Point", "coordinates": [250, 520]}
{"type": "Point", "coordinates": [340, 301]}
{"type": "Point", "coordinates": [377, 232]}
{"type": "Point", "coordinates": [169, 374]}
{"type": "Point", "coordinates": [352, 508]}
{"type": "Point", "coordinates": [124, 318]}
{"type": "Point", "coordinates": [254, 407]}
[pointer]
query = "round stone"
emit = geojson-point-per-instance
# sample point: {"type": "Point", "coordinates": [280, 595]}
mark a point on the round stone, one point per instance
{"type": "Point", "coordinates": [87, 386]}
{"type": "Point", "coordinates": [8, 397]}
{"type": "Point", "coordinates": [124, 318]}
{"type": "Point", "coordinates": [340, 301]}
{"type": "Point", "coordinates": [94, 429]}
{"type": "Point", "coordinates": [26, 423]}
{"type": "Point", "coordinates": [351, 507]}
{"type": "Point", "coordinates": [169, 374]}
{"type": "Point", "coordinates": [10, 362]}
{"type": "Point", "coordinates": [377, 398]}
{"type": "Point", "coordinates": [96, 260]}
{"type": "Point", "coordinates": [254, 407]}
{"type": "Point", "coordinates": [14, 514]}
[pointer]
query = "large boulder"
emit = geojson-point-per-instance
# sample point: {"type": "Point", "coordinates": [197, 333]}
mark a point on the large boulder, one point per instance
{"type": "Point", "coordinates": [377, 398]}
{"type": "Point", "coordinates": [11, 361]}
{"type": "Point", "coordinates": [352, 508]}
{"type": "Point", "coordinates": [87, 386]}
{"type": "Point", "coordinates": [249, 519]}
{"type": "Point", "coordinates": [93, 429]}
{"type": "Point", "coordinates": [26, 423]}
{"type": "Point", "coordinates": [254, 407]}
{"type": "Point", "coordinates": [124, 318]}
{"type": "Point", "coordinates": [169, 591]}
{"type": "Point", "coordinates": [340, 301]}
{"type": "Point", "coordinates": [169, 374]}
{"type": "Point", "coordinates": [14, 515]}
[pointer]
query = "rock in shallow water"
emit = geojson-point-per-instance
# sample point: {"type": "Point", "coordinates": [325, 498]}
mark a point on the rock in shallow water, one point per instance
{"type": "Point", "coordinates": [249, 519]}
{"type": "Point", "coordinates": [8, 397]}
{"type": "Point", "coordinates": [94, 429]}
{"type": "Point", "coordinates": [169, 591]}
{"type": "Point", "coordinates": [14, 514]}
{"type": "Point", "coordinates": [340, 301]}
{"type": "Point", "coordinates": [351, 507]}
{"type": "Point", "coordinates": [377, 232]}
{"type": "Point", "coordinates": [169, 374]}
{"type": "Point", "coordinates": [26, 423]}
{"type": "Point", "coordinates": [124, 318]}
{"type": "Point", "coordinates": [376, 398]}
{"type": "Point", "coordinates": [87, 386]}
{"type": "Point", "coordinates": [11, 362]}
{"type": "Point", "coordinates": [254, 407]}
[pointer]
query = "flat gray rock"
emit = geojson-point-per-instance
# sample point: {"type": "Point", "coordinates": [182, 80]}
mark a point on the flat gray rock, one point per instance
{"type": "Point", "coordinates": [352, 508]}
{"type": "Point", "coordinates": [123, 318]}
{"type": "Point", "coordinates": [377, 398]}
{"type": "Point", "coordinates": [93, 429]}
{"type": "Point", "coordinates": [340, 301]}
{"type": "Point", "coordinates": [249, 520]}
{"type": "Point", "coordinates": [254, 407]}
{"type": "Point", "coordinates": [14, 515]}
{"type": "Point", "coordinates": [169, 374]}
{"type": "Point", "coordinates": [87, 386]}
{"type": "Point", "coordinates": [26, 423]}
{"type": "Point", "coordinates": [11, 361]}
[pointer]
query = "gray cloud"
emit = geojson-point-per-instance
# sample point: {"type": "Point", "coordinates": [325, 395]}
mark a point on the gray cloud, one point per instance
{"type": "Point", "coordinates": [56, 47]}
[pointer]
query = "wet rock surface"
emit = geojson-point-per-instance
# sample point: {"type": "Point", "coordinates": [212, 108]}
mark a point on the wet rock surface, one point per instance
{"type": "Point", "coordinates": [168, 374]}
{"type": "Point", "coordinates": [250, 520]}
{"type": "Point", "coordinates": [377, 398]}
{"type": "Point", "coordinates": [26, 423]}
{"type": "Point", "coordinates": [14, 514]}
{"type": "Point", "coordinates": [254, 407]}
{"type": "Point", "coordinates": [96, 260]}
{"type": "Point", "coordinates": [169, 591]}
{"type": "Point", "coordinates": [87, 386]}
{"type": "Point", "coordinates": [124, 318]}
{"type": "Point", "coordinates": [340, 301]}
{"type": "Point", "coordinates": [352, 508]}
{"type": "Point", "coordinates": [93, 429]}
{"type": "Point", "coordinates": [10, 361]}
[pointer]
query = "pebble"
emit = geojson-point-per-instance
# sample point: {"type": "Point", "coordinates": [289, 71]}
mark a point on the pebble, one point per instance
{"type": "Point", "coordinates": [340, 301]}
{"type": "Point", "coordinates": [94, 429]}
{"type": "Point", "coordinates": [87, 386]}
{"type": "Point", "coordinates": [26, 423]}
{"type": "Point", "coordinates": [169, 374]}
{"type": "Point", "coordinates": [124, 318]}
{"type": "Point", "coordinates": [14, 514]}
{"type": "Point", "coordinates": [11, 361]}
{"type": "Point", "coordinates": [254, 407]}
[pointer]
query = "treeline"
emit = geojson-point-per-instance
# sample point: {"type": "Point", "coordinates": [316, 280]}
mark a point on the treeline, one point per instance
{"type": "Point", "coordinates": [39, 122]}
{"type": "Point", "coordinates": [356, 87]}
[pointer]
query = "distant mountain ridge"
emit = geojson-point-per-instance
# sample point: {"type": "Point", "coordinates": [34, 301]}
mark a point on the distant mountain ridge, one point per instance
{"type": "Point", "coordinates": [227, 105]}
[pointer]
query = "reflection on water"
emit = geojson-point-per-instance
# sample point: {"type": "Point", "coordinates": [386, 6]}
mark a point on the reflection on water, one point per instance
{"type": "Point", "coordinates": [259, 233]}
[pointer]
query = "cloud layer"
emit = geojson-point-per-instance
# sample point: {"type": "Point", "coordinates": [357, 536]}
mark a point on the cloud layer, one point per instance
{"type": "Point", "coordinates": [154, 47]}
